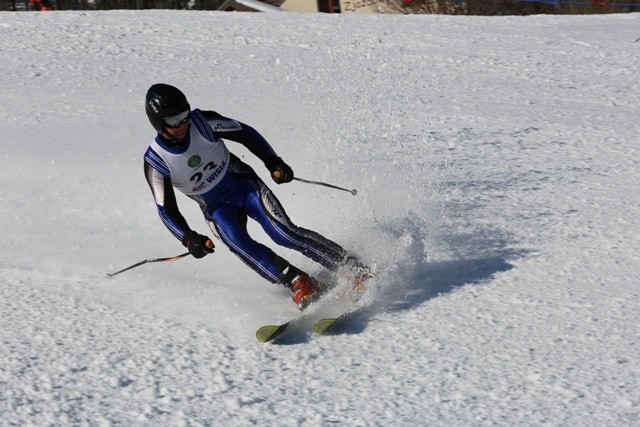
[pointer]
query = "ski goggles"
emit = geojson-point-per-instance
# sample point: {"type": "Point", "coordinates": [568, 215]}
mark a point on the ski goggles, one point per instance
{"type": "Point", "coordinates": [176, 120]}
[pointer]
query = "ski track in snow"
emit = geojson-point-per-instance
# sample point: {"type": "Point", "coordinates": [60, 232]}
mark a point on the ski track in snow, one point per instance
{"type": "Point", "coordinates": [495, 161]}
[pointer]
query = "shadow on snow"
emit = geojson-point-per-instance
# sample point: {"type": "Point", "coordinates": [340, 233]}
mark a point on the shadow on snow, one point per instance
{"type": "Point", "coordinates": [414, 280]}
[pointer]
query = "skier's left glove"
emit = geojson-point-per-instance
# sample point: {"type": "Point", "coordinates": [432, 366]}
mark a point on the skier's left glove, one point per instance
{"type": "Point", "coordinates": [280, 171]}
{"type": "Point", "coordinates": [198, 245]}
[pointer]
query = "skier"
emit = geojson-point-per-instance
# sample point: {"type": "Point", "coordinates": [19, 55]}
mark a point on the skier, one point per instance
{"type": "Point", "coordinates": [189, 154]}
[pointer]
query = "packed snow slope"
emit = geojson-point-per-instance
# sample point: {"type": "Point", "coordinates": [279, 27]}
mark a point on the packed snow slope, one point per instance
{"type": "Point", "coordinates": [497, 167]}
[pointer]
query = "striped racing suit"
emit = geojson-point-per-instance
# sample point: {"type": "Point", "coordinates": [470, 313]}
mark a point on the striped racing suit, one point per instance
{"type": "Point", "coordinates": [228, 192]}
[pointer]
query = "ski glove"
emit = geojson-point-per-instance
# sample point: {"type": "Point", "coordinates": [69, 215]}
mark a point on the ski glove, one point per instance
{"type": "Point", "coordinates": [197, 244]}
{"type": "Point", "coordinates": [280, 171]}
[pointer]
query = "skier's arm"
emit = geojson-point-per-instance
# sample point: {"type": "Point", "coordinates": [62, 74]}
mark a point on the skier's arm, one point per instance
{"type": "Point", "coordinates": [244, 134]}
{"type": "Point", "coordinates": [165, 199]}
{"type": "Point", "coordinates": [249, 137]}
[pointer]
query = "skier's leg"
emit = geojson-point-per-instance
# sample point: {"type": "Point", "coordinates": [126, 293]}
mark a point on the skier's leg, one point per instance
{"type": "Point", "coordinates": [231, 227]}
{"type": "Point", "coordinates": [229, 224]}
{"type": "Point", "coordinates": [265, 208]}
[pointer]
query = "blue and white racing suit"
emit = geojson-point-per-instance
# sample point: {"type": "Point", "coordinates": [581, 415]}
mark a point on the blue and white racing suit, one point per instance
{"type": "Point", "coordinates": [228, 191]}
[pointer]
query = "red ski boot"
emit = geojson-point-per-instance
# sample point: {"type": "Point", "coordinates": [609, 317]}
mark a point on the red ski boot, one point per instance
{"type": "Point", "coordinates": [305, 290]}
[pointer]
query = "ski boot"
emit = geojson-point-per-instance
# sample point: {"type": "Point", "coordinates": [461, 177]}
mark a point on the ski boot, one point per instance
{"type": "Point", "coordinates": [304, 289]}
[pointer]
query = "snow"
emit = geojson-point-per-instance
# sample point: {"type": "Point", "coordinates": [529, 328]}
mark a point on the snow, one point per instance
{"type": "Point", "coordinates": [497, 167]}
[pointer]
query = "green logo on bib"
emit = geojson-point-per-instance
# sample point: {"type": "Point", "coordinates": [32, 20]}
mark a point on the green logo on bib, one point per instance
{"type": "Point", "coordinates": [194, 161]}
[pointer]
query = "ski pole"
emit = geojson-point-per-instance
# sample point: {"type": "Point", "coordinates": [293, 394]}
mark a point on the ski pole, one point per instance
{"type": "Point", "coordinates": [278, 174]}
{"type": "Point", "coordinates": [324, 184]}
{"type": "Point", "coordinates": [138, 264]}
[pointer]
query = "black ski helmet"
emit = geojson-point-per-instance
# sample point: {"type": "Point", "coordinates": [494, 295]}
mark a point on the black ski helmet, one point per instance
{"type": "Point", "coordinates": [164, 101]}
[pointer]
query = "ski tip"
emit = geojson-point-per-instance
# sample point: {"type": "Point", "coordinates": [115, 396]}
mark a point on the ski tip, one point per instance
{"type": "Point", "coordinates": [269, 332]}
{"type": "Point", "coordinates": [265, 333]}
{"type": "Point", "coordinates": [321, 326]}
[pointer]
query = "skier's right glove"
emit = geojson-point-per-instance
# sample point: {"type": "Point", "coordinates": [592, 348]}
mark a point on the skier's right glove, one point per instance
{"type": "Point", "coordinates": [197, 244]}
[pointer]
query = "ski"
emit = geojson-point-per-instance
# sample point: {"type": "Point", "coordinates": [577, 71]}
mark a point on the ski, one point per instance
{"type": "Point", "coordinates": [323, 325]}
{"type": "Point", "coordinates": [320, 325]}
{"type": "Point", "coordinates": [327, 325]}
{"type": "Point", "coordinates": [348, 321]}
{"type": "Point", "coordinates": [289, 331]}
{"type": "Point", "coordinates": [270, 332]}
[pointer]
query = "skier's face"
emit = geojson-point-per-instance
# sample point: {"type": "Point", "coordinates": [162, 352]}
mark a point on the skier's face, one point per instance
{"type": "Point", "coordinates": [179, 131]}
